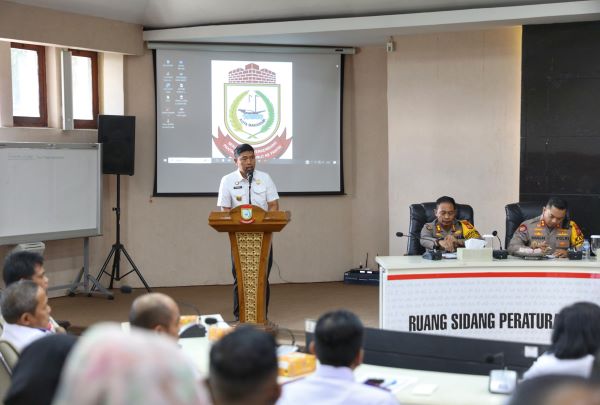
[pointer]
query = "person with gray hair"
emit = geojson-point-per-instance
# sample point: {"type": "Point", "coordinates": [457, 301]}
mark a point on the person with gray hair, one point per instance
{"type": "Point", "coordinates": [26, 312]}
{"type": "Point", "coordinates": [157, 312]}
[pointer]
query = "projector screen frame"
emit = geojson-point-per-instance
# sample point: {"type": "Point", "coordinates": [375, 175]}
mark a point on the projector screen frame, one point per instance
{"type": "Point", "coordinates": [248, 48]}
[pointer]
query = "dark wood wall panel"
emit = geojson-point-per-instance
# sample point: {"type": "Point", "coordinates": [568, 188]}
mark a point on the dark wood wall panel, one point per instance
{"type": "Point", "coordinates": [560, 118]}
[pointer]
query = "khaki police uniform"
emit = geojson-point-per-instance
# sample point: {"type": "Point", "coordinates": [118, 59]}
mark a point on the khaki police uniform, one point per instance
{"type": "Point", "coordinates": [462, 229]}
{"type": "Point", "coordinates": [535, 230]}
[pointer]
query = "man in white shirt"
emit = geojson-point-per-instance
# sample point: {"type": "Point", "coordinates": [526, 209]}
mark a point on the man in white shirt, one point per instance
{"type": "Point", "coordinates": [157, 312]}
{"type": "Point", "coordinates": [24, 265]}
{"type": "Point", "coordinates": [26, 312]}
{"type": "Point", "coordinates": [244, 186]}
{"type": "Point", "coordinates": [338, 346]}
{"type": "Point", "coordinates": [243, 368]}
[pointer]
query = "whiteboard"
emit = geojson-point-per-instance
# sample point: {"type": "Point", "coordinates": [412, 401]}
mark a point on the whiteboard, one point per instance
{"type": "Point", "coordinates": [49, 191]}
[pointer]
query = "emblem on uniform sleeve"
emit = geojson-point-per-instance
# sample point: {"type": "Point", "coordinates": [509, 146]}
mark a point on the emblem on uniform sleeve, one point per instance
{"type": "Point", "coordinates": [467, 224]}
{"type": "Point", "coordinates": [246, 213]}
{"type": "Point", "coordinates": [522, 228]}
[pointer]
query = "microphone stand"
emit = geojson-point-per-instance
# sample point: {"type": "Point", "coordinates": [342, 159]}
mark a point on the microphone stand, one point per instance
{"type": "Point", "coordinates": [430, 254]}
{"type": "Point", "coordinates": [250, 174]}
{"type": "Point", "coordinates": [499, 254]}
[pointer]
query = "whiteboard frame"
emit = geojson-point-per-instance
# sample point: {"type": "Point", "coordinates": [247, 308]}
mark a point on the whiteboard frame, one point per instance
{"type": "Point", "coordinates": [79, 233]}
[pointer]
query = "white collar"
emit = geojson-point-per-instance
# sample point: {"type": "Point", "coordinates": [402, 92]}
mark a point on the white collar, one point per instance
{"type": "Point", "coordinates": [339, 373]}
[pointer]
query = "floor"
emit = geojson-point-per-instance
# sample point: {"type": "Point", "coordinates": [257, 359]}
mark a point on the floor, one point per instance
{"type": "Point", "coordinates": [290, 304]}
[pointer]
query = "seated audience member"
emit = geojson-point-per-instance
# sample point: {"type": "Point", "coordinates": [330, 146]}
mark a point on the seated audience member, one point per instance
{"type": "Point", "coordinates": [26, 312]}
{"type": "Point", "coordinates": [36, 375]}
{"type": "Point", "coordinates": [338, 346]}
{"type": "Point", "coordinates": [243, 368]}
{"type": "Point", "coordinates": [446, 232]}
{"type": "Point", "coordinates": [112, 367]}
{"type": "Point", "coordinates": [157, 312]}
{"type": "Point", "coordinates": [25, 265]}
{"type": "Point", "coordinates": [548, 232]}
{"type": "Point", "coordinates": [555, 390]}
{"type": "Point", "coordinates": [575, 340]}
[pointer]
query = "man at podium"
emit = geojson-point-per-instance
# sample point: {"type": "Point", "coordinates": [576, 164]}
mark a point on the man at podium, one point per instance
{"type": "Point", "coordinates": [245, 185]}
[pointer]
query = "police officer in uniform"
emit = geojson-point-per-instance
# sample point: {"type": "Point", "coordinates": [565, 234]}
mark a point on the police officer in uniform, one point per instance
{"type": "Point", "coordinates": [446, 232]}
{"type": "Point", "coordinates": [549, 231]}
{"type": "Point", "coordinates": [234, 191]}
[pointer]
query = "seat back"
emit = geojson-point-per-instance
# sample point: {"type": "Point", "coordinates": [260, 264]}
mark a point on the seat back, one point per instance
{"type": "Point", "coordinates": [518, 212]}
{"type": "Point", "coordinates": [8, 359]}
{"type": "Point", "coordinates": [5, 379]}
{"type": "Point", "coordinates": [9, 353]}
{"type": "Point", "coordinates": [422, 213]}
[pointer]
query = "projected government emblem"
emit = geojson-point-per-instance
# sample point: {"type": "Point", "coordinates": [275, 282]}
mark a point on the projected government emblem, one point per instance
{"type": "Point", "coordinates": [255, 109]}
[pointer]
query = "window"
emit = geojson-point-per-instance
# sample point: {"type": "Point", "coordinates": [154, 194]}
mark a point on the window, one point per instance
{"type": "Point", "coordinates": [85, 89]}
{"type": "Point", "coordinates": [28, 68]}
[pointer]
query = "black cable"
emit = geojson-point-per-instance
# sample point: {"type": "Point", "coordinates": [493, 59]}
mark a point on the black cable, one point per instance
{"type": "Point", "coordinates": [291, 335]}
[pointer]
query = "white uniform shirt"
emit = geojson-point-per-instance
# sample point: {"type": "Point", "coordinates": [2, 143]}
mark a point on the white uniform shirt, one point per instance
{"type": "Point", "coordinates": [333, 386]}
{"type": "Point", "coordinates": [547, 364]}
{"type": "Point", "coordinates": [21, 336]}
{"type": "Point", "coordinates": [233, 190]}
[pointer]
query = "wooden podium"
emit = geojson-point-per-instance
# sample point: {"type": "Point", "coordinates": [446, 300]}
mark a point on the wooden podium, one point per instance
{"type": "Point", "coordinates": [250, 230]}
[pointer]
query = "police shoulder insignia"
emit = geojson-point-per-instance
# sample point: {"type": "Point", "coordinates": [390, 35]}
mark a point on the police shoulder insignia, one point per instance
{"type": "Point", "coordinates": [576, 227]}
{"type": "Point", "coordinates": [523, 228]}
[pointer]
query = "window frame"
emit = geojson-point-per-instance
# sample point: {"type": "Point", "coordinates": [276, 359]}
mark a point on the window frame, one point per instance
{"type": "Point", "coordinates": [93, 123]}
{"type": "Point", "coordinates": [42, 120]}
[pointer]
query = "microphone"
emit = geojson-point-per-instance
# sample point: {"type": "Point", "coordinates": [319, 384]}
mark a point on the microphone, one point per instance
{"type": "Point", "coordinates": [193, 329]}
{"type": "Point", "coordinates": [250, 174]}
{"type": "Point", "coordinates": [501, 253]}
{"type": "Point", "coordinates": [429, 254]}
{"type": "Point", "coordinates": [495, 233]}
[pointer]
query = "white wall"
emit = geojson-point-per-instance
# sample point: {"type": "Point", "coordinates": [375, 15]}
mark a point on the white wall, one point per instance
{"type": "Point", "coordinates": [454, 124]}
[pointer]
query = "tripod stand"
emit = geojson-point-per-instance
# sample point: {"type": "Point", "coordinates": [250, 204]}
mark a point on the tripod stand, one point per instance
{"type": "Point", "coordinates": [117, 248]}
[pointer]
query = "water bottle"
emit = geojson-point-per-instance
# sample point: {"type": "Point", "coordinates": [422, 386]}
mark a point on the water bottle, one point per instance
{"type": "Point", "coordinates": [586, 250]}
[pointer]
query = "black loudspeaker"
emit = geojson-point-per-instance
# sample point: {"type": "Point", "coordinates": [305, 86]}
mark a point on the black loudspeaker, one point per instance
{"type": "Point", "coordinates": [116, 133]}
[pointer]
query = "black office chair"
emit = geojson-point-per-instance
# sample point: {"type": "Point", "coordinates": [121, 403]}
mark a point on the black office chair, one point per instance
{"type": "Point", "coordinates": [518, 212]}
{"type": "Point", "coordinates": [422, 213]}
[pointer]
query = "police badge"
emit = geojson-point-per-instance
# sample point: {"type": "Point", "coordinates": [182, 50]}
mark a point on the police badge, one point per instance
{"type": "Point", "coordinates": [246, 212]}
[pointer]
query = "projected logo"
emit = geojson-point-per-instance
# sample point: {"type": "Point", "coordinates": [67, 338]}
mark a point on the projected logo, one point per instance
{"type": "Point", "coordinates": [252, 104]}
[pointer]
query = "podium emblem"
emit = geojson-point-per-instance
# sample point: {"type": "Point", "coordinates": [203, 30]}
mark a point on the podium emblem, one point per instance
{"type": "Point", "coordinates": [246, 212]}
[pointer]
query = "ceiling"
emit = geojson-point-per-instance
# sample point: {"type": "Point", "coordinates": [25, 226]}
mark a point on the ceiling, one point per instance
{"type": "Point", "coordinates": [185, 13]}
{"type": "Point", "coordinates": [314, 22]}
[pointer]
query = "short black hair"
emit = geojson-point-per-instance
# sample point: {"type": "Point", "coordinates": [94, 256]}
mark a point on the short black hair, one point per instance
{"type": "Point", "coordinates": [338, 338]}
{"type": "Point", "coordinates": [445, 199]}
{"type": "Point", "coordinates": [557, 202]}
{"type": "Point", "coordinates": [241, 148]}
{"type": "Point", "coordinates": [241, 362]}
{"type": "Point", "coordinates": [19, 298]}
{"type": "Point", "coordinates": [576, 331]}
{"type": "Point", "coordinates": [20, 265]}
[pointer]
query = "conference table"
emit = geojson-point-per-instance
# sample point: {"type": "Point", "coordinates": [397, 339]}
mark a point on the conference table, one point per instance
{"type": "Point", "coordinates": [508, 300]}
{"type": "Point", "coordinates": [411, 387]}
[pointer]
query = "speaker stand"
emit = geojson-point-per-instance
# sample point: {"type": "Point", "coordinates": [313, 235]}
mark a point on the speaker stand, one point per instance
{"type": "Point", "coordinates": [117, 249]}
